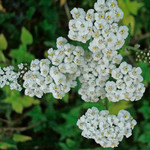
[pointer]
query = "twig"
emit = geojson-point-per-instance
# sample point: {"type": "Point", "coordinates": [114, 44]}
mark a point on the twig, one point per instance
{"type": "Point", "coordinates": [21, 129]}
{"type": "Point", "coordinates": [18, 120]}
{"type": "Point", "coordinates": [138, 38]}
{"type": "Point", "coordinates": [130, 58]}
{"type": "Point", "coordinates": [5, 121]}
{"type": "Point", "coordinates": [67, 10]}
{"type": "Point", "coordinates": [5, 63]}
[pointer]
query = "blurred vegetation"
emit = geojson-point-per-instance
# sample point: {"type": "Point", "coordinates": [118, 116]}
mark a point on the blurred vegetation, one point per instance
{"type": "Point", "coordinates": [27, 29]}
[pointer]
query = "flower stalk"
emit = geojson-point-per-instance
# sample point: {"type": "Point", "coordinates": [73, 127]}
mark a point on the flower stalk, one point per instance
{"type": "Point", "coordinates": [106, 103]}
{"type": "Point", "coordinates": [132, 48]}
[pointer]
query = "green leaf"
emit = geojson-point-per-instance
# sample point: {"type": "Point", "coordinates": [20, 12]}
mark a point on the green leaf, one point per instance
{"type": "Point", "coordinates": [72, 116]}
{"type": "Point", "coordinates": [19, 102]}
{"type": "Point", "coordinates": [133, 6]}
{"type": "Point", "coordinates": [30, 12]}
{"type": "Point", "coordinates": [66, 98]}
{"type": "Point", "coordinates": [99, 105]}
{"type": "Point", "coordinates": [145, 138]}
{"type": "Point", "coordinates": [129, 20]}
{"type": "Point", "coordinates": [21, 138]}
{"type": "Point", "coordinates": [146, 71]}
{"type": "Point", "coordinates": [21, 55]}
{"type": "Point", "coordinates": [26, 36]}
{"type": "Point", "coordinates": [122, 4]}
{"type": "Point", "coordinates": [5, 146]}
{"type": "Point", "coordinates": [114, 108]}
{"type": "Point", "coordinates": [129, 8]}
{"type": "Point", "coordinates": [3, 42]}
{"type": "Point", "coordinates": [37, 115]}
{"type": "Point", "coordinates": [17, 106]}
{"type": "Point", "coordinates": [71, 143]}
{"type": "Point", "coordinates": [145, 109]}
{"type": "Point", "coordinates": [63, 146]}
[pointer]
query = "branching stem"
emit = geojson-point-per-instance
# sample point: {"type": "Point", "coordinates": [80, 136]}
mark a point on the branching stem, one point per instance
{"type": "Point", "coordinates": [20, 129]}
{"type": "Point", "coordinates": [67, 10]}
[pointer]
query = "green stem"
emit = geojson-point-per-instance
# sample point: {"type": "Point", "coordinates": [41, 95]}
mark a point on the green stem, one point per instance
{"type": "Point", "coordinates": [106, 103]}
{"type": "Point", "coordinates": [133, 48]}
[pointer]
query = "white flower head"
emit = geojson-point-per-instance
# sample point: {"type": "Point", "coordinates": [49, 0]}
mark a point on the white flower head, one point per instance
{"type": "Point", "coordinates": [107, 130]}
{"type": "Point", "coordinates": [78, 13]}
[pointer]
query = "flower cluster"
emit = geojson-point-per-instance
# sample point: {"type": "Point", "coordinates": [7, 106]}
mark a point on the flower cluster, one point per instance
{"type": "Point", "coordinates": [101, 26]}
{"type": "Point", "coordinates": [100, 69]}
{"type": "Point", "coordinates": [143, 56]}
{"type": "Point", "coordinates": [23, 68]}
{"type": "Point", "coordinates": [9, 77]}
{"type": "Point", "coordinates": [57, 74]}
{"type": "Point", "coordinates": [96, 72]}
{"type": "Point", "coordinates": [128, 84]}
{"type": "Point", "coordinates": [107, 130]}
{"type": "Point", "coordinates": [37, 79]}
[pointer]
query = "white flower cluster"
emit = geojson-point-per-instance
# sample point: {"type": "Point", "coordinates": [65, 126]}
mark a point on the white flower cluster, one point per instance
{"type": "Point", "coordinates": [23, 68]}
{"type": "Point", "coordinates": [107, 130]}
{"type": "Point", "coordinates": [102, 78]}
{"type": "Point", "coordinates": [56, 75]}
{"type": "Point", "coordinates": [37, 79]}
{"type": "Point", "coordinates": [101, 64]}
{"type": "Point", "coordinates": [95, 73]}
{"type": "Point", "coordinates": [9, 77]}
{"type": "Point", "coordinates": [101, 26]}
{"type": "Point", "coordinates": [128, 84]}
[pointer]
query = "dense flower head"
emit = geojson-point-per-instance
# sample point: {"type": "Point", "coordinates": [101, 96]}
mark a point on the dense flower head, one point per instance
{"type": "Point", "coordinates": [96, 72]}
{"type": "Point", "coordinates": [42, 79]}
{"type": "Point", "coordinates": [104, 75]}
{"type": "Point", "coordinates": [126, 85]}
{"type": "Point", "coordinates": [9, 77]}
{"type": "Point", "coordinates": [107, 130]}
{"type": "Point", "coordinates": [102, 26]}
{"type": "Point", "coordinates": [37, 79]}
{"type": "Point", "coordinates": [68, 55]}
{"type": "Point", "coordinates": [56, 75]}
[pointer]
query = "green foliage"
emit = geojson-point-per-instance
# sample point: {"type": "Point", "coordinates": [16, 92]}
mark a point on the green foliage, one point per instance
{"type": "Point", "coordinates": [5, 146]}
{"type": "Point", "coordinates": [146, 71]}
{"type": "Point", "coordinates": [21, 55]}
{"type": "Point", "coordinates": [130, 8]}
{"type": "Point", "coordinates": [114, 108]}
{"type": "Point", "coordinates": [21, 138]}
{"type": "Point", "coordinates": [3, 42]}
{"type": "Point", "coordinates": [66, 98]}
{"type": "Point", "coordinates": [17, 101]}
{"type": "Point", "coordinates": [37, 115]}
{"type": "Point", "coordinates": [26, 36]}
{"type": "Point", "coordinates": [145, 109]}
{"type": "Point", "coordinates": [30, 12]}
